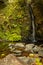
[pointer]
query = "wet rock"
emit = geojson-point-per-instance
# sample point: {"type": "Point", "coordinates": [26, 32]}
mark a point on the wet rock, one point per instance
{"type": "Point", "coordinates": [11, 60]}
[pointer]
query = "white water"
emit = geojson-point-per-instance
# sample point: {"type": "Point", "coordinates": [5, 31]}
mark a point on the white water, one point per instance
{"type": "Point", "coordinates": [33, 24]}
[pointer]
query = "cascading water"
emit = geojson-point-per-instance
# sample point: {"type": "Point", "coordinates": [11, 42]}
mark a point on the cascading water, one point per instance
{"type": "Point", "coordinates": [33, 23]}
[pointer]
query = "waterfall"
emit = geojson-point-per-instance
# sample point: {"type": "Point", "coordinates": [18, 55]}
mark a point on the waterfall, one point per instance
{"type": "Point", "coordinates": [33, 23]}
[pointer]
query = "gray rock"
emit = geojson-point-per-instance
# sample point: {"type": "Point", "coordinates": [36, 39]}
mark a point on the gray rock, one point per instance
{"type": "Point", "coordinates": [24, 59]}
{"type": "Point", "coordinates": [11, 60]}
{"type": "Point", "coordinates": [29, 47]}
{"type": "Point", "coordinates": [11, 47]}
{"type": "Point", "coordinates": [31, 61]}
{"type": "Point", "coordinates": [19, 45]}
{"type": "Point", "coordinates": [27, 60]}
{"type": "Point", "coordinates": [17, 51]}
{"type": "Point", "coordinates": [40, 52]}
{"type": "Point", "coordinates": [36, 48]}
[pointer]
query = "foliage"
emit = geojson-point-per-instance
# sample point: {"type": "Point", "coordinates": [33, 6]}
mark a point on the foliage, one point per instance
{"type": "Point", "coordinates": [14, 18]}
{"type": "Point", "coordinates": [38, 61]}
{"type": "Point", "coordinates": [15, 22]}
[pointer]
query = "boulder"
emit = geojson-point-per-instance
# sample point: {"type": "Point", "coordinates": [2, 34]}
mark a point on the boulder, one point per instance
{"type": "Point", "coordinates": [29, 47]}
{"type": "Point", "coordinates": [40, 52]}
{"type": "Point", "coordinates": [19, 45]}
{"type": "Point", "coordinates": [36, 49]}
{"type": "Point", "coordinates": [11, 47]}
{"type": "Point", "coordinates": [11, 60]}
{"type": "Point", "coordinates": [24, 59]}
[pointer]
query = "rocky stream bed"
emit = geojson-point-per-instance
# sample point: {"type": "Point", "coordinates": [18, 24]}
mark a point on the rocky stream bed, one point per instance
{"type": "Point", "coordinates": [25, 54]}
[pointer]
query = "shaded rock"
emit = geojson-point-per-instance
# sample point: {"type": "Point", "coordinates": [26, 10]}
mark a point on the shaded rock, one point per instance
{"type": "Point", "coordinates": [11, 60]}
{"type": "Point", "coordinates": [31, 60]}
{"type": "Point", "coordinates": [36, 49]}
{"type": "Point", "coordinates": [19, 48]}
{"type": "Point", "coordinates": [11, 47]}
{"type": "Point", "coordinates": [41, 45]}
{"type": "Point", "coordinates": [40, 52]}
{"type": "Point", "coordinates": [17, 52]}
{"type": "Point", "coordinates": [25, 53]}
